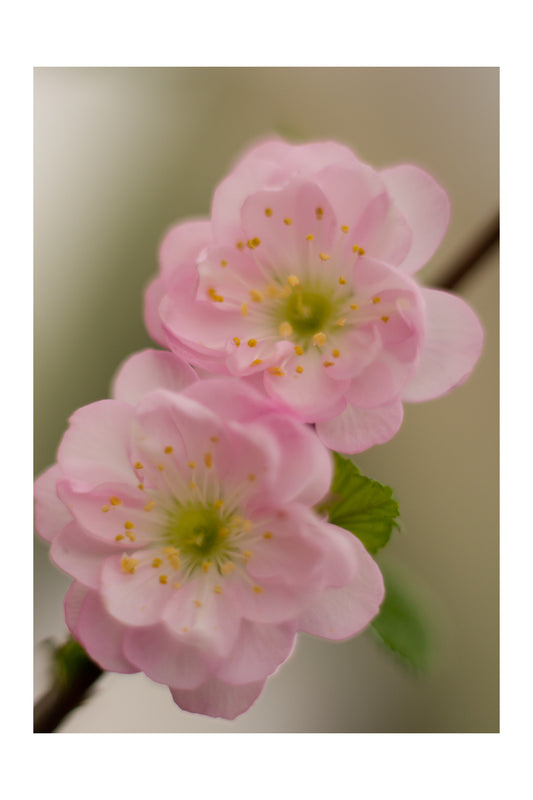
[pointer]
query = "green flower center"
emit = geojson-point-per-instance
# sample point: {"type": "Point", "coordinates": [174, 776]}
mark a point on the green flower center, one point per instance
{"type": "Point", "coordinates": [307, 311]}
{"type": "Point", "coordinates": [198, 532]}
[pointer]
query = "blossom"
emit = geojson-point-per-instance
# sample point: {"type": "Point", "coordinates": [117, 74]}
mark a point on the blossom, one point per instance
{"type": "Point", "coordinates": [302, 279]}
{"type": "Point", "coordinates": [183, 509]}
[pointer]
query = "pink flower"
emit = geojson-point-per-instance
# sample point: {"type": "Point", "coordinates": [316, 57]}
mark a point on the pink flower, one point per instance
{"type": "Point", "coordinates": [183, 510]}
{"type": "Point", "coordinates": [302, 277]}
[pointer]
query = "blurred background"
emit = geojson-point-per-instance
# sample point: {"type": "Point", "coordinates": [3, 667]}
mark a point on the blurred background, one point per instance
{"type": "Point", "coordinates": [123, 153]}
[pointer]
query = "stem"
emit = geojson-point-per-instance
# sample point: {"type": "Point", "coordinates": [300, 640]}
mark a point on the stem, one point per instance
{"type": "Point", "coordinates": [74, 675]}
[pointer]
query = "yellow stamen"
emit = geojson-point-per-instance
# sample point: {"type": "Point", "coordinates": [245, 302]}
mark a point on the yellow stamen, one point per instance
{"type": "Point", "coordinates": [118, 537]}
{"type": "Point", "coordinates": [129, 564]}
{"type": "Point", "coordinates": [213, 439]}
{"type": "Point", "coordinates": [163, 579]}
{"type": "Point", "coordinates": [293, 280]}
{"type": "Point", "coordinates": [253, 243]}
{"type": "Point", "coordinates": [268, 212]}
{"type": "Point", "coordinates": [267, 535]}
{"type": "Point", "coordinates": [240, 245]}
{"type": "Point", "coordinates": [244, 309]}
{"type": "Point", "coordinates": [256, 295]}
{"type": "Point", "coordinates": [149, 506]}
{"type": "Point", "coordinates": [247, 525]}
{"type": "Point", "coordinates": [256, 362]}
{"type": "Point", "coordinates": [131, 536]}
{"type": "Point", "coordinates": [354, 306]}
{"type": "Point", "coordinates": [286, 291]}
{"type": "Point", "coordinates": [309, 237]}
{"type": "Point", "coordinates": [160, 467]}
{"type": "Point", "coordinates": [174, 561]}
{"type": "Point", "coordinates": [276, 371]}
{"type": "Point", "coordinates": [105, 508]}
{"type": "Point", "coordinates": [258, 590]}
{"type": "Point", "coordinates": [206, 565]}
{"type": "Point", "coordinates": [198, 603]}
{"type": "Point", "coordinates": [157, 562]}
{"type": "Point", "coordinates": [217, 298]}
{"type": "Point", "coordinates": [285, 329]}
{"type": "Point", "coordinates": [219, 504]}
{"type": "Point", "coordinates": [168, 449]}
{"type": "Point", "coordinates": [344, 228]}
{"type": "Point", "coordinates": [328, 364]}
{"type": "Point", "coordinates": [298, 350]}
{"type": "Point", "coordinates": [335, 353]}
{"type": "Point", "coordinates": [357, 249]}
{"type": "Point", "coordinates": [170, 551]}
{"type": "Point", "coordinates": [385, 319]}
{"type": "Point", "coordinates": [223, 532]}
{"type": "Point", "coordinates": [138, 465]}
{"type": "Point", "coordinates": [237, 341]}
{"type": "Point", "coordinates": [115, 501]}
{"type": "Point", "coordinates": [191, 464]}
{"type": "Point", "coordinates": [324, 256]}
{"type": "Point", "coordinates": [208, 460]}
{"type": "Point", "coordinates": [319, 339]}
{"type": "Point", "coordinates": [319, 212]}
{"type": "Point", "coordinates": [342, 280]}
{"type": "Point", "coordinates": [192, 485]}
{"type": "Point", "coordinates": [176, 585]}
{"type": "Point", "coordinates": [252, 477]}
{"type": "Point", "coordinates": [340, 322]}
{"type": "Point", "coordinates": [299, 369]}
{"type": "Point", "coordinates": [185, 629]}
{"type": "Point", "coordinates": [272, 291]}
{"type": "Point", "coordinates": [247, 554]}
{"type": "Point", "coordinates": [252, 342]}
{"type": "Point", "coordinates": [361, 251]}
{"type": "Point", "coordinates": [376, 300]}
{"type": "Point", "coordinates": [140, 486]}
{"type": "Point", "coordinates": [217, 589]}
{"type": "Point", "coordinates": [287, 221]}
{"type": "Point", "coordinates": [223, 263]}
{"type": "Point", "coordinates": [227, 568]}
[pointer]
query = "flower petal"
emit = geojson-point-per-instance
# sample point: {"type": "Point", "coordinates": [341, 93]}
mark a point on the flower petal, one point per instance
{"type": "Point", "coordinates": [100, 635]}
{"type": "Point", "coordinates": [182, 244]}
{"type": "Point", "coordinates": [79, 555]}
{"type": "Point", "coordinates": [258, 652]}
{"type": "Point", "coordinates": [217, 699]}
{"type": "Point", "coordinates": [51, 515]}
{"type": "Point", "coordinates": [153, 295]}
{"type": "Point", "coordinates": [453, 343]}
{"type": "Point", "coordinates": [343, 612]}
{"type": "Point", "coordinates": [134, 598]}
{"type": "Point", "coordinates": [357, 429]}
{"type": "Point", "coordinates": [151, 369]}
{"type": "Point", "coordinates": [426, 208]}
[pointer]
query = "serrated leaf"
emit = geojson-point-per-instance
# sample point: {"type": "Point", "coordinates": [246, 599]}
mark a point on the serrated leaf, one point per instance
{"type": "Point", "coordinates": [402, 626]}
{"type": "Point", "coordinates": [363, 506]}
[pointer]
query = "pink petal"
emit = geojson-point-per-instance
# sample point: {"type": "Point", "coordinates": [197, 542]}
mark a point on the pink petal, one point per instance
{"type": "Point", "coordinates": [137, 598]}
{"type": "Point", "coordinates": [79, 555]}
{"type": "Point", "coordinates": [148, 370]}
{"type": "Point", "coordinates": [343, 612]}
{"type": "Point", "coordinates": [380, 383]}
{"type": "Point", "coordinates": [183, 243]}
{"type": "Point", "coordinates": [95, 447]}
{"type": "Point", "coordinates": [382, 231]}
{"type": "Point", "coordinates": [217, 699]}
{"type": "Point", "coordinates": [454, 339]}
{"type": "Point", "coordinates": [231, 399]}
{"type": "Point", "coordinates": [153, 295]}
{"type": "Point", "coordinates": [51, 515]}
{"type": "Point", "coordinates": [100, 635]}
{"type": "Point", "coordinates": [357, 429]}
{"type": "Point", "coordinates": [258, 652]}
{"type": "Point", "coordinates": [165, 659]}
{"type": "Point", "coordinates": [72, 603]}
{"type": "Point", "coordinates": [426, 208]}
{"type": "Point", "coordinates": [350, 189]}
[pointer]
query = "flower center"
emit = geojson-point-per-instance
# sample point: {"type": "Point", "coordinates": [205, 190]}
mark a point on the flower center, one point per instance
{"type": "Point", "coordinates": [307, 311]}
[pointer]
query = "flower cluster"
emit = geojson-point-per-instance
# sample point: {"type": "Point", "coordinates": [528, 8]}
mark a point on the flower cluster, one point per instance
{"type": "Point", "coordinates": [184, 507]}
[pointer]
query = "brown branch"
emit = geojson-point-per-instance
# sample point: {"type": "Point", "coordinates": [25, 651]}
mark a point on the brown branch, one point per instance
{"type": "Point", "coordinates": [488, 238]}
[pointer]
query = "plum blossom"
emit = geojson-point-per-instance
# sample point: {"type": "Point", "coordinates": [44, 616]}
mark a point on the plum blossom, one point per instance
{"type": "Point", "coordinates": [183, 509]}
{"type": "Point", "coordinates": [302, 279]}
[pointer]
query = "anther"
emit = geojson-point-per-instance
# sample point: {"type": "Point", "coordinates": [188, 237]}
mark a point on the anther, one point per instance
{"type": "Point", "coordinates": [298, 350]}
{"type": "Point", "coordinates": [342, 280]}
{"type": "Point", "coordinates": [244, 309]}
{"type": "Point", "coordinates": [140, 486]}
{"type": "Point", "coordinates": [319, 212]}
{"type": "Point", "coordinates": [131, 536]}
{"type": "Point", "coordinates": [176, 585]}
{"type": "Point", "coordinates": [240, 245]}
{"type": "Point", "coordinates": [192, 485]}
{"type": "Point", "coordinates": [208, 460]}
{"type": "Point", "coordinates": [138, 465]}
{"type": "Point", "coordinates": [198, 603]}
{"type": "Point", "coordinates": [118, 537]}
{"type": "Point", "coordinates": [253, 243]}
{"type": "Point", "coordinates": [256, 362]}
{"type": "Point", "coordinates": [252, 342]}
{"type": "Point", "coordinates": [227, 568]}
{"type": "Point", "coordinates": [354, 306]}
{"type": "Point", "coordinates": [258, 590]}
{"type": "Point", "coordinates": [268, 212]}
{"type": "Point", "coordinates": [157, 562]}
{"type": "Point", "coordinates": [168, 449]}
{"type": "Point", "coordinates": [217, 589]}
{"type": "Point", "coordinates": [223, 263]}
{"type": "Point", "coordinates": [385, 319]}
{"type": "Point", "coordinates": [217, 298]}
{"type": "Point", "coordinates": [206, 566]}
{"type": "Point", "coordinates": [252, 477]}
{"type": "Point", "coordinates": [376, 300]}
{"type": "Point", "coordinates": [129, 564]}
{"type": "Point", "coordinates": [256, 296]}
{"type": "Point", "coordinates": [293, 280]}
{"type": "Point", "coordinates": [287, 221]}
{"type": "Point", "coordinates": [276, 371]}
{"type": "Point", "coordinates": [344, 228]}
{"type": "Point", "coordinates": [223, 532]}
{"type": "Point", "coordinates": [237, 341]}
{"type": "Point", "coordinates": [105, 508]}
{"type": "Point", "coordinates": [299, 369]}
{"type": "Point", "coordinates": [149, 506]}
{"type": "Point", "coordinates": [219, 504]}
{"type": "Point", "coordinates": [191, 464]}
{"type": "Point", "coordinates": [160, 467]}
{"type": "Point", "coordinates": [267, 535]}
{"type": "Point", "coordinates": [324, 256]}
{"type": "Point", "coordinates": [115, 501]}
{"type": "Point", "coordinates": [309, 237]}
{"type": "Point", "coordinates": [247, 554]}
{"type": "Point", "coordinates": [285, 329]}
{"type": "Point", "coordinates": [163, 579]}
{"type": "Point", "coordinates": [340, 322]}
{"type": "Point", "coordinates": [174, 560]}
{"type": "Point", "coordinates": [213, 439]}
{"type": "Point", "coordinates": [319, 339]}
{"type": "Point", "coordinates": [335, 353]}
{"type": "Point", "coordinates": [328, 364]}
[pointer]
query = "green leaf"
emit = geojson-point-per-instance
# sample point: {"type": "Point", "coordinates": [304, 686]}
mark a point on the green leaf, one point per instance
{"type": "Point", "coordinates": [361, 505]}
{"type": "Point", "coordinates": [401, 626]}
{"type": "Point", "coordinates": [69, 660]}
